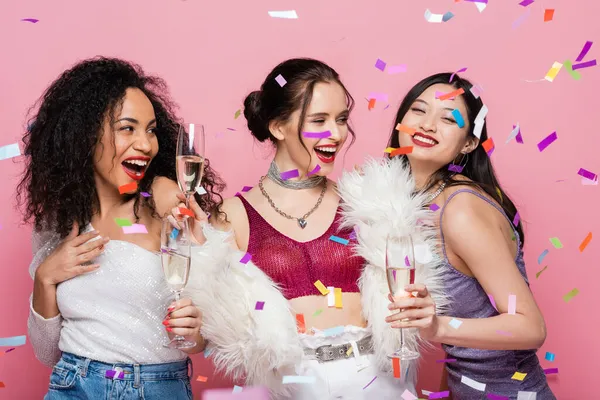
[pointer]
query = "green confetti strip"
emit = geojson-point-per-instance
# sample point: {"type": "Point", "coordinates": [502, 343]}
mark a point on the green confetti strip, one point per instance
{"type": "Point", "coordinates": [539, 273]}
{"type": "Point", "coordinates": [567, 297]}
{"type": "Point", "coordinates": [123, 222]}
{"type": "Point", "coordinates": [569, 67]}
{"type": "Point", "coordinates": [237, 114]}
{"type": "Point", "coordinates": [319, 311]}
{"type": "Point", "coordinates": [556, 242]}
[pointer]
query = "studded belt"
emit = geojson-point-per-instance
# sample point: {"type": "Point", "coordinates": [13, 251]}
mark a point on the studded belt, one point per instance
{"type": "Point", "coordinates": [339, 352]}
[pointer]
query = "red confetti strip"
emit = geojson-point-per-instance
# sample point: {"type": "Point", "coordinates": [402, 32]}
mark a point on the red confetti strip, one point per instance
{"type": "Point", "coordinates": [128, 188]}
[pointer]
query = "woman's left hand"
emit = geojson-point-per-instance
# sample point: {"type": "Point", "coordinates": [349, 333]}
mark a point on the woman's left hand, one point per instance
{"type": "Point", "coordinates": [418, 311]}
{"type": "Point", "coordinates": [196, 222]}
{"type": "Point", "coordinates": [183, 318]}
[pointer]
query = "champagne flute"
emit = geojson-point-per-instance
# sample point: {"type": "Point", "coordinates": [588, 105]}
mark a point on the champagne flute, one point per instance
{"type": "Point", "coordinates": [175, 251]}
{"type": "Point", "coordinates": [190, 158]}
{"type": "Point", "coordinates": [400, 269]}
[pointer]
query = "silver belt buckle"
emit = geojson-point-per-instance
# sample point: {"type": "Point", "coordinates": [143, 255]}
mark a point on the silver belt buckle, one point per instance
{"type": "Point", "coordinates": [331, 353]}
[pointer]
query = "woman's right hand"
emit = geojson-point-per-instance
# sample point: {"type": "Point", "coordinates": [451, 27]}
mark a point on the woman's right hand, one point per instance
{"type": "Point", "coordinates": [66, 260]}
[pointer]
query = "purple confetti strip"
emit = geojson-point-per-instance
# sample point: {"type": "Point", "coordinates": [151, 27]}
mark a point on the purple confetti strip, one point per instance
{"type": "Point", "coordinates": [246, 188]}
{"type": "Point", "coordinates": [114, 374]}
{"type": "Point", "coordinates": [32, 20]}
{"type": "Point", "coordinates": [516, 219]}
{"type": "Point", "coordinates": [465, 68]}
{"type": "Point", "coordinates": [316, 135]}
{"type": "Point", "coordinates": [525, 3]}
{"type": "Point", "coordinates": [281, 80]}
{"type": "Point", "coordinates": [380, 65]}
{"type": "Point", "coordinates": [289, 174]}
{"type": "Point", "coordinates": [550, 371]}
{"type": "Point", "coordinates": [434, 207]}
{"type": "Point", "coordinates": [492, 396]}
{"type": "Point", "coordinates": [439, 395]}
{"type": "Point", "coordinates": [9, 350]}
{"type": "Point", "coordinates": [314, 171]}
{"type": "Point", "coordinates": [231, 129]}
{"type": "Point", "coordinates": [547, 141]}
{"type": "Point", "coordinates": [446, 360]}
{"type": "Point", "coordinates": [386, 107]}
{"type": "Point", "coordinates": [406, 261]}
{"type": "Point", "coordinates": [455, 168]}
{"type": "Point", "coordinates": [259, 305]}
{"type": "Point", "coordinates": [368, 384]}
{"type": "Point", "coordinates": [246, 258]}
{"type": "Point", "coordinates": [586, 47]}
{"type": "Point", "coordinates": [587, 174]}
{"type": "Point", "coordinates": [584, 65]}
{"type": "Point", "coordinates": [145, 194]}
{"type": "Point", "coordinates": [518, 138]}
{"type": "Point", "coordinates": [492, 301]}
{"type": "Point", "coordinates": [521, 19]}
{"type": "Point", "coordinates": [396, 69]}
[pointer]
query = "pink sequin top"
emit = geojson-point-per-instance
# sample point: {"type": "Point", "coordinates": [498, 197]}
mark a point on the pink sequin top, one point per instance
{"type": "Point", "coordinates": [296, 266]}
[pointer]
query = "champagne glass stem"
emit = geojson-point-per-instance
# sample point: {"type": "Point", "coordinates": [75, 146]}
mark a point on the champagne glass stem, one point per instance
{"type": "Point", "coordinates": [401, 338]}
{"type": "Point", "coordinates": [179, 338]}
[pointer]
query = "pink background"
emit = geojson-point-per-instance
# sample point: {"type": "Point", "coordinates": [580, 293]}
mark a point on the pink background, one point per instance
{"type": "Point", "coordinates": [213, 53]}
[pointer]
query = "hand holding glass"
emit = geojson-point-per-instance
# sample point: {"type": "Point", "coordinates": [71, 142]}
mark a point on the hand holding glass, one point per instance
{"type": "Point", "coordinates": [190, 158]}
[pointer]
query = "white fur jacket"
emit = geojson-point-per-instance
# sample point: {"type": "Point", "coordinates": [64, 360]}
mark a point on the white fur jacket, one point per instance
{"type": "Point", "coordinates": [261, 347]}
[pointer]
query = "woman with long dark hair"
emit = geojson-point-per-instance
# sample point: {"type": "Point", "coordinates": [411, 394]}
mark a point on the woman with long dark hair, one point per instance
{"type": "Point", "coordinates": [492, 326]}
{"type": "Point", "coordinates": [100, 153]}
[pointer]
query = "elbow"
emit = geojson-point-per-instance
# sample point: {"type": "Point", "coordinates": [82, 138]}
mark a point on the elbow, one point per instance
{"type": "Point", "coordinates": [538, 335]}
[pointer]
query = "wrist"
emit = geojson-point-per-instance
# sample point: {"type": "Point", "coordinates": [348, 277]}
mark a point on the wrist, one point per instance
{"type": "Point", "coordinates": [43, 281]}
{"type": "Point", "coordinates": [442, 329]}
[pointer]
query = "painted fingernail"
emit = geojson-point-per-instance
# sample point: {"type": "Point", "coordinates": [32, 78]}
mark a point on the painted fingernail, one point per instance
{"type": "Point", "coordinates": [171, 308]}
{"type": "Point", "coordinates": [165, 323]}
{"type": "Point", "coordinates": [169, 329]}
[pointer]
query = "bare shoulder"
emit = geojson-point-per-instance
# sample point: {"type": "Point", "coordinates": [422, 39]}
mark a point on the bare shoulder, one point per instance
{"type": "Point", "coordinates": [468, 208]}
{"type": "Point", "coordinates": [232, 210]}
{"type": "Point", "coordinates": [164, 192]}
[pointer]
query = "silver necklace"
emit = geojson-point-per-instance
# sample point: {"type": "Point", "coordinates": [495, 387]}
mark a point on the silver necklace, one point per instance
{"type": "Point", "coordinates": [309, 183]}
{"type": "Point", "coordinates": [435, 194]}
{"type": "Point", "coordinates": [302, 220]}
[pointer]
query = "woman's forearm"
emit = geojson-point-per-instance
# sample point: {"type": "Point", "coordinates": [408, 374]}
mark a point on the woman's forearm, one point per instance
{"type": "Point", "coordinates": [44, 298]}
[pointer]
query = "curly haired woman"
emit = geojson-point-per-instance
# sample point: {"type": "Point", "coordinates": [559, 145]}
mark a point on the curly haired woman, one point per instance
{"type": "Point", "coordinates": [98, 303]}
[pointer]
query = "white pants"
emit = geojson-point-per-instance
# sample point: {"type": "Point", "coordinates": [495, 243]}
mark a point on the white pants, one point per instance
{"type": "Point", "coordinates": [342, 379]}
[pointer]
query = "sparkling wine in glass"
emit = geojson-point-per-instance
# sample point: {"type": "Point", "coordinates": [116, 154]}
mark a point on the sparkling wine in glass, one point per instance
{"type": "Point", "coordinates": [175, 251]}
{"type": "Point", "coordinates": [400, 269]}
{"type": "Point", "coordinates": [190, 158]}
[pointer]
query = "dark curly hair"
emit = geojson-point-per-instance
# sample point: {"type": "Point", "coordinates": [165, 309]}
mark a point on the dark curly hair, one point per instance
{"type": "Point", "coordinates": [58, 187]}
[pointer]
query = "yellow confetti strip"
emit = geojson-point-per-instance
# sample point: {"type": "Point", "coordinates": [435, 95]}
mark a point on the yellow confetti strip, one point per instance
{"type": "Point", "coordinates": [567, 297]}
{"type": "Point", "coordinates": [338, 297]}
{"type": "Point", "coordinates": [389, 150]}
{"type": "Point", "coordinates": [324, 291]}
{"type": "Point", "coordinates": [519, 376]}
{"type": "Point", "coordinates": [553, 71]}
{"type": "Point", "coordinates": [349, 351]}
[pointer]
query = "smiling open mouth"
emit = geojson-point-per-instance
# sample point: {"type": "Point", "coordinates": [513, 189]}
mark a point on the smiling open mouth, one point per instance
{"type": "Point", "coordinates": [135, 168]}
{"type": "Point", "coordinates": [326, 153]}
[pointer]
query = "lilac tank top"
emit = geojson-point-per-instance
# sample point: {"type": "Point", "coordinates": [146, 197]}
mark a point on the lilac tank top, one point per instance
{"type": "Point", "coordinates": [494, 368]}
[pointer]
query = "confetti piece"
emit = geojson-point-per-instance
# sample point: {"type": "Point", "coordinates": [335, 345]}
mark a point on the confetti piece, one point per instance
{"type": "Point", "coordinates": [291, 14]}
{"type": "Point", "coordinates": [396, 69]}
{"type": "Point", "coordinates": [567, 297]}
{"type": "Point", "coordinates": [371, 104]}
{"type": "Point", "coordinates": [401, 151]}
{"type": "Point", "coordinates": [237, 389]}
{"type": "Point", "coordinates": [9, 151]}
{"type": "Point", "coordinates": [519, 137]}
{"type": "Point", "coordinates": [113, 374]}
{"type": "Point", "coordinates": [185, 211]}
{"type": "Point", "coordinates": [338, 330]}
{"type": "Point", "coordinates": [519, 376]}
{"type": "Point", "coordinates": [585, 242]}
{"type": "Point", "coordinates": [321, 287]}
{"type": "Point", "coordinates": [369, 384]}
{"type": "Point", "coordinates": [389, 150]}
{"type": "Point", "coordinates": [512, 304]}
{"type": "Point", "coordinates": [525, 3]}
{"type": "Point", "coordinates": [201, 378]}
{"type": "Point", "coordinates": [174, 234]}
{"type": "Point", "coordinates": [548, 14]}
{"type": "Point", "coordinates": [476, 91]}
{"type": "Point", "coordinates": [330, 296]}
{"type": "Point", "coordinates": [543, 255]}
{"type": "Point", "coordinates": [446, 360]}
{"type": "Point", "coordinates": [472, 383]}
{"type": "Point", "coordinates": [32, 20]}
{"type": "Point", "coordinates": [550, 356]}
{"type": "Point", "coordinates": [569, 67]}
{"type": "Point", "coordinates": [135, 228]}
{"type": "Point", "coordinates": [480, 121]}
{"type": "Point", "coordinates": [338, 297]}
{"type": "Point", "coordinates": [547, 141]}
{"type": "Point", "coordinates": [123, 222]}
{"type": "Point", "coordinates": [237, 114]}
{"type": "Point", "coordinates": [455, 323]}
{"type": "Point", "coordinates": [513, 133]}
{"type": "Point", "coordinates": [521, 19]}
{"type": "Point", "coordinates": [434, 207]}
{"type": "Point", "coordinates": [396, 367]}
{"type": "Point", "coordinates": [492, 301]}
{"type": "Point", "coordinates": [405, 129]}
{"type": "Point", "coordinates": [318, 312]}
{"type": "Point", "coordinates": [146, 194]}
{"type": "Point", "coordinates": [281, 80]}
{"type": "Point", "coordinates": [339, 240]}
{"type": "Point", "coordinates": [488, 146]}
{"type": "Point", "coordinates": [458, 117]}
{"type": "Point", "coordinates": [437, 18]}
{"type": "Point", "coordinates": [130, 187]}
{"type": "Point", "coordinates": [460, 70]}
{"type": "Point", "coordinates": [380, 65]}
{"type": "Point", "coordinates": [549, 371]}
{"type": "Point", "coordinates": [439, 395]}
{"type": "Point", "coordinates": [452, 95]}
{"type": "Point", "coordinates": [504, 333]}
{"type": "Point", "coordinates": [586, 47]}
{"type": "Point", "coordinates": [231, 129]}
{"type": "Point", "coordinates": [516, 219]}
{"type": "Point", "coordinates": [553, 71]}
{"type": "Point", "coordinates": [350, 351]}
{"type": "Point", "coordinates": [406, 263]}
{"type": "Point", "coordinates": [2, 385]}
{"type": "Point", "coordinates": [586, 64]}
{"type": "Point", "coordinates": [246, 188]}
{"type": "Point", "coordinates": [556, 242]}
{"type": "Point", "coordinates": [407, 395]}
{"type": "Point", "coordinates": [539, 273]}
{"type": "Point", "coordinates": [315, 170]}
{"type": "Point", "coordinates": [300, 323]}
{"type": "Point", "coordinates": [526, 395]}
{"type": "Point", "coordinates": [289, 174]}
{"type": "Point", "coordinates": [455, 168]}
{"type": "Point", "coordinates": [207, 352]}
{"type": "Point", "coordinates": [316, 135]}
{"type": "Point", "coordinates": [259, 305]}
{"type": "Point", "coordinates": [492, 396]}
{"type": "Point", "coordinates": [246, 258]}
{"type": "Point", "coordinates": [587, 182]}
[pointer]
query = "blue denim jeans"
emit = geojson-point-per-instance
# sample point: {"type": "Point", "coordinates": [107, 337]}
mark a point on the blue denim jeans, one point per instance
{"type": "Point", "coordinates": [75, 377]}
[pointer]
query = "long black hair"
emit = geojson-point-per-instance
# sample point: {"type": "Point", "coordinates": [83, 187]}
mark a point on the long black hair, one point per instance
{"type": "Point", "coordinates": [478, 167]}
{"type": "Point", "coordinates": [58, 187]}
